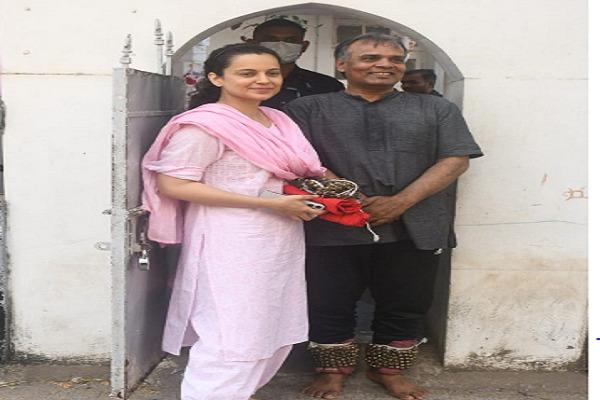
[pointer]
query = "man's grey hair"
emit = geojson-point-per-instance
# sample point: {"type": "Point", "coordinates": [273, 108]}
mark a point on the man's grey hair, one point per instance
{"type": "Point", "coordinates": [341, 50]}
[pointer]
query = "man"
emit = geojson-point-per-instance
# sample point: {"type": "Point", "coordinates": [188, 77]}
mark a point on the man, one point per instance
{"type": "Point", "coordinates": [420, 81]}
{"type": "Point", "coordinates": [286, 38]}
{"type": "Point", "coordinates": [404, 151]}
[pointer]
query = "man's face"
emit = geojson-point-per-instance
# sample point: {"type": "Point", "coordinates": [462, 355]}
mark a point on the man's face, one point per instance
{"type": "Point", "coordinates": [415, 83]}
{"type": "Point", "coordinates": [286, 34]}
{"type": "Point", "coordinates": [373, 65]}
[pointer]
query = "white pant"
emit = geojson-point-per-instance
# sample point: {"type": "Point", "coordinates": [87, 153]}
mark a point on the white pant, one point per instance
{"type": "Point", "coordinates": [209, 377]}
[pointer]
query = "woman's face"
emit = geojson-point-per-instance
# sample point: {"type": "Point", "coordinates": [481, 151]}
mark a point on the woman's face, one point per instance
{"type": "Point", "coordinates": [254, 77]}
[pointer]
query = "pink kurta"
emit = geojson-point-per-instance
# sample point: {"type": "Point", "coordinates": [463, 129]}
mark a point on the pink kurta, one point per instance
{"type": "Point", "coordinates": [240, 280]}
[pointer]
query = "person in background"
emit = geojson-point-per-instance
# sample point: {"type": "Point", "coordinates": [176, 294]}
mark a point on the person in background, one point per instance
{"type": "Point", "coordinates": [286, 38]}
{"type": "Point", "coordinates": [405, 151]}
{"type": "Point", "coordinates": [239, 296]}
{"type": "Point", "coordinates": [420, 81]}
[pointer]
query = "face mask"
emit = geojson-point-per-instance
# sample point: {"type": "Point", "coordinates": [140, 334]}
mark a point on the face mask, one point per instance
{"type": "Point", "coordinates": [288, 52]}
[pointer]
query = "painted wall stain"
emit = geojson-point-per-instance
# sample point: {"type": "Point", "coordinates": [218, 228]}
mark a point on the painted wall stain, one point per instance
{"type": "Point", "coordinates": [494, 362]}
{"type": "Point", "coordinates": [571, 194]}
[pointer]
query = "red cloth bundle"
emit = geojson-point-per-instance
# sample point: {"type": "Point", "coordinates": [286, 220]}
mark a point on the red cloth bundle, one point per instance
{"type": "Point", "coordinates": [340, 211]}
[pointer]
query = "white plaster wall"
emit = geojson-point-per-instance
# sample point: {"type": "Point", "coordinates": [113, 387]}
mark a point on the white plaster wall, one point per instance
{"type": "Point", "coordinates": [57, 149]}
{"type": "Point", "coordinates": [521, 264]}
{"type": "Point", "coordinates": [518, 285]}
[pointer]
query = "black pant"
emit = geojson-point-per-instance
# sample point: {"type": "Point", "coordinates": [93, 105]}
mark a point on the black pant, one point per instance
{"type": "Point", "coordinates": [401, 280]}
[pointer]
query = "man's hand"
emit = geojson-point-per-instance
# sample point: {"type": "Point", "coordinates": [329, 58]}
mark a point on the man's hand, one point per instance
{"type": "Point", "coordinates": [383, 209]}
{"type": "Point", "coordinates": [386, 209]}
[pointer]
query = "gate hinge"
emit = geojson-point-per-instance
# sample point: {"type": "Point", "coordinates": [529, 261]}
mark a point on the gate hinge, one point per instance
{"type": "Point", "coordinates": [136, 212]}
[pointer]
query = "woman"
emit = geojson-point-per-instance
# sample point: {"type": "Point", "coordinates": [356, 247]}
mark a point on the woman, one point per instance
{"type": "Point", "coordinates": [239, 293]}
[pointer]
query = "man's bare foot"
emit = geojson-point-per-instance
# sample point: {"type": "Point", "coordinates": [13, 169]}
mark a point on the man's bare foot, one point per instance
{"type": "Point", "coordinates": [326, 386]}
{"type": "Point", "coordinates": [398, 386]}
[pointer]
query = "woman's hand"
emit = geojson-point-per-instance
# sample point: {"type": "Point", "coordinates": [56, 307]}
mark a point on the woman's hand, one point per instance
{"type": "Point", "coordinates": [294, 207]}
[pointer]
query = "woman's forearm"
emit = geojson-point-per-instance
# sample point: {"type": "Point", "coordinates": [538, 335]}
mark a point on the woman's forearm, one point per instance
{"type": "Point", "coordinates": [196, 192]}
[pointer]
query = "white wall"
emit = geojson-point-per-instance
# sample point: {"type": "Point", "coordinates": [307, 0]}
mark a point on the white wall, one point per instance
{"type": "Point", "coordinates": [518, 284]}
{"type": "Point", "coordinates": [521, 264]}
{"type": "Point", "coordinates": [57, 147]}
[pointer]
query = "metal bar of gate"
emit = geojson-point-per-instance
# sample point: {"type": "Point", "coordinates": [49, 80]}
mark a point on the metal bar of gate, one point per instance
{"type": "Point", "coordinates": [159, 42]}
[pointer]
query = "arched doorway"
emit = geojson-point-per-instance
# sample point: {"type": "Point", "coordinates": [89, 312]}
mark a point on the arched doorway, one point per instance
{"type": "Point", "coordinates": [324, 13]}
{"type": "Point", "coordinates": [134, 358]}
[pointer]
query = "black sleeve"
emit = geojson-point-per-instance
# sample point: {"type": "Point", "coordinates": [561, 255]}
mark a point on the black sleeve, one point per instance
{"type": "Point", "coordinates": [454, 137]}
{"type": "Point", "coordinates": [322, 83]}
{"type": "Point", "coordinates": [327, 84]}
{"type": "Point", "coordinates": [337, 86]}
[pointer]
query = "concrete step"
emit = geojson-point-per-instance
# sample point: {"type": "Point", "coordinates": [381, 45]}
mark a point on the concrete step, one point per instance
{"type": "Point", "coordinates": [90, 382]}
{"type": "Point", "coordinates": [163, 383]}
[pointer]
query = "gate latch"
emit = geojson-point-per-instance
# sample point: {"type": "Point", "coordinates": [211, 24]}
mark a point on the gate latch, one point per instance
{"type": "Point", "coordinates": [139, 245]}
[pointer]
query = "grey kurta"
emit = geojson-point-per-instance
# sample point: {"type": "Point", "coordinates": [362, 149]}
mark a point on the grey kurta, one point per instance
{"type": "Point", "coordinates": [383, 146]}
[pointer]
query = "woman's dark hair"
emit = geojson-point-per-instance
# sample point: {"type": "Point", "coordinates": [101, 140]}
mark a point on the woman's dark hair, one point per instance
{"type": "Point", "coordinates": [216, 62]}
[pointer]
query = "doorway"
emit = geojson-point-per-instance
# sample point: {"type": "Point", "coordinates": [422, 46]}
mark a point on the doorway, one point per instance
{"type": "Point", "coordinates": [326, 25]}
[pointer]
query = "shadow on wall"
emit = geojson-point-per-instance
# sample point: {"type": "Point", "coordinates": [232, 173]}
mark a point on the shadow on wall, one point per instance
{"type": "Point", "coordinates": [3, 286]}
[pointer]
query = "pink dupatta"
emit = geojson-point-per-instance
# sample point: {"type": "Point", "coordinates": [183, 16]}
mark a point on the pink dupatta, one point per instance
{"type": "Point", "coordinates": [288, 156]}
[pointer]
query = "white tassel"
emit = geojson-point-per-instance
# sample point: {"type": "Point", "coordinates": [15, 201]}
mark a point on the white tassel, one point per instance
{"type": "Point", "coordinates": [420, 342]}
{"type": "Point", "coordinates": [375, 236]}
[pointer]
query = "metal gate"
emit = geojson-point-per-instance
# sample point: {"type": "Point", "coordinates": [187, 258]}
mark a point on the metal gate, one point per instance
{"type": "Point", "coordinates": [143, 103]}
